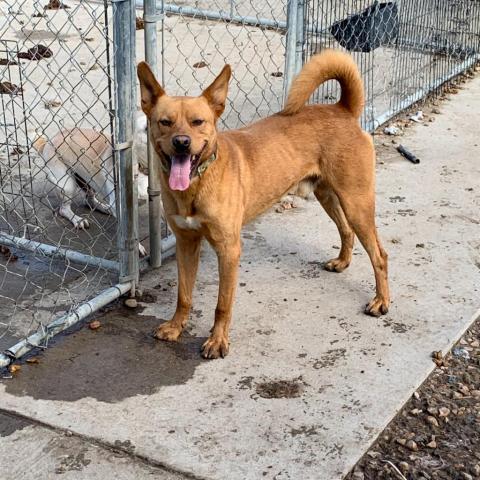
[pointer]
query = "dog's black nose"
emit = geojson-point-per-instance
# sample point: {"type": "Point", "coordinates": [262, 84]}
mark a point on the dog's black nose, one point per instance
{"type": "Point", "coordinates": [181, 143]}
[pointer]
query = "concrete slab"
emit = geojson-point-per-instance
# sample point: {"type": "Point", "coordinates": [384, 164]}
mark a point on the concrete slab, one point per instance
{"type": "Point", "coordinates": [310, 381]}
{"type": "Point", "coordinates": [33, 452]}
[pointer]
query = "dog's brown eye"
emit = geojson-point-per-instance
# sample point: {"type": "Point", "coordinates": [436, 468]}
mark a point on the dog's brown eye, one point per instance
{"type": "Point", "coordinates": [166, 123]}
{"type": "Point", "coordinates": [197, 122]}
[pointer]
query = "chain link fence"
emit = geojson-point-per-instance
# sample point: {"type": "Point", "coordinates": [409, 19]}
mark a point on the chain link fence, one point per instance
{"type": "Point", "coordinates": [406, 49]}
{"type": "Point", "coordinates": [67, 141]}
{"type": "Point", "coordinates": [63, 167]}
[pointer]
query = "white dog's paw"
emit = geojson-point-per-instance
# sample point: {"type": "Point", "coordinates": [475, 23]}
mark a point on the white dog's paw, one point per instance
{"type": "Point", "coordinates": [142, 250]}
{"type": "Point", "coordinates": [80, 223]}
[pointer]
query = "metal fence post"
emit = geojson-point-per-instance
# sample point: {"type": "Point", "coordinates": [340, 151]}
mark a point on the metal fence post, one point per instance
{"type": "Point", "coordinates": [126, 188]}
{"type": "Point", "coordinates": [291, 46]}
{"type": "Point", "coordinates": [150, 18]}
{"type": "Point", "coordinates": [299, 36]}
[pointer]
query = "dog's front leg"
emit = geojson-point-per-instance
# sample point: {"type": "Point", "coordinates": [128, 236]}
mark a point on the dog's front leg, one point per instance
{"type": "Point", "coordinates": [188, 254]}
{"type": "Point", "coordinates": [228, 259]}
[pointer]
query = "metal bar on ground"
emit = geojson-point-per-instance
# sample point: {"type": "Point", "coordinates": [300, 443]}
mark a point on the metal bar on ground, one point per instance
{"type": "Point", "coordinates": [154, 198]}
{"type": "Point", "coordinates": [57, 252]}
{"type": "Point", "coordinates": [41, 337]}
{"type": "Point", "coordinates": [126, 186]}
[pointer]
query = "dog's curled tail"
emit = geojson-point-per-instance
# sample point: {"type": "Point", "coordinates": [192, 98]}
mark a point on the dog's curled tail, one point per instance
{"type": "Point", "coordinates": [328, 65]}
{"type": "Point", "coordinates": [39, 144]}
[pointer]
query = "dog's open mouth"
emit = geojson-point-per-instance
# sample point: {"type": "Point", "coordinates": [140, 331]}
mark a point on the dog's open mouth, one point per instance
{"type": "Point", "coordinates": [182, 168]}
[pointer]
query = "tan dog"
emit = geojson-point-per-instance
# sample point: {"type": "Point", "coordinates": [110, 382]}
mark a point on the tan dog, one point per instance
{"type": "Point", "coordinates": [213, 183]}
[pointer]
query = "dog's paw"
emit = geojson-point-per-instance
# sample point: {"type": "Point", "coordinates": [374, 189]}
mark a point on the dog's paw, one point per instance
{"type": "Point", "coordinates": [142, 250]}
{"type": "Point", "coordinates": [377, 307]}
{"type": "Point", "coordinates": [215, 347]}
{"type": "Point", "coordinates": [168, 331]}
{"type": "Point", "coordinates": [81, 223]}
{"type": "Point", "coordinates": [336, 265]}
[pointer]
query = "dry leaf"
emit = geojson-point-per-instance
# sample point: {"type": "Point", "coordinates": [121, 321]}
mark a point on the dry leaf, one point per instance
{"type": "Point", "coordinates": [14, 369]}
{"type": "Point", "coordinates": [201, 64]}
{"type": "Point", "coordinates": [33, 360]}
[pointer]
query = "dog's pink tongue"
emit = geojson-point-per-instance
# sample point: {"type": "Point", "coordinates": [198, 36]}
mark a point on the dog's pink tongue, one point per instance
{"type": "Point", "coordinates": [180, 172]}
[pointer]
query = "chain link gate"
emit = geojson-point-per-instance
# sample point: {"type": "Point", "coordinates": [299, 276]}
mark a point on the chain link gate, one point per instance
{"type": "Point", "coordinates": [67, 87]}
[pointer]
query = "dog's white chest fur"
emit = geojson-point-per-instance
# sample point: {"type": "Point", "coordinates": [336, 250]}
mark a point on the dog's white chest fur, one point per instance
{"type": "Point", "coordinates": [187, 223]}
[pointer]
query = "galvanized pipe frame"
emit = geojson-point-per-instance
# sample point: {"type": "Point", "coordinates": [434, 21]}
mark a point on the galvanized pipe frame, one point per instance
{"type": "Point", "coordinates": [150, 18]}
{"type": "Point", "coordinates": [123, 21]}
{"type": "Point", "coordinates": [57, 252]}
{"type": "Point", "coordinates": [40, 338]}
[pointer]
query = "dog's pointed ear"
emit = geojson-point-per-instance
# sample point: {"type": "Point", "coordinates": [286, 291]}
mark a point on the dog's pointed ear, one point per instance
{"type": "Point", "coordinates": [216, 93]}
{"type": "Point", "coordinates": [150, 89]}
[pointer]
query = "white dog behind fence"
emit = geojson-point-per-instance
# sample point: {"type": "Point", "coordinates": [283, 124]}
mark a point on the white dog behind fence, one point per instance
{"type": "Point", "coordinates": [81, 157]}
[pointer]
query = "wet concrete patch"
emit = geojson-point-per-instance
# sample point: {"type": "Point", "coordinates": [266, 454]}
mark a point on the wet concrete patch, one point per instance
{"type": "Point", "coordinates": [280, 389]}
{"type": "Point", "coordinates": [118, 360]}
{"type": "Point", "coordinates": [9, 424]}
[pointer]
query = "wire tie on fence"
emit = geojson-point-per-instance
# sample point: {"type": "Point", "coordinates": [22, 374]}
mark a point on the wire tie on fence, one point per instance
{"type": "Point", "coordinates": [123, 146]}
{"type": "Point", "coordinates": [157, 17]}
{"type": "Point", "coordinates": [152, 192]}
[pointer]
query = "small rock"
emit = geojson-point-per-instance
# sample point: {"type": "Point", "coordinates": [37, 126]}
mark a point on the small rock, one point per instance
{"type": "Point", "coordinates": [463, 389]}
{"type": "Point", "coordinates": [432, 444]}
{"type": "Point", "coordinates": [415, 411]}
{"type": "Point", "coordinates": [131, 303]}
{"type": "Point", "coordinates": [457, 395]}
{"type": "Point", "coordinates": [358, 474]}
{"type": "Point", "coordinates": [33, 360]}
{"type": "Point", "coordinates": [466, 476]}
{"type": "Point", "coordinates": [404, 466]}
{"type": "Point", "coordinates": [475, 344]}
{"type": "Point", "coordinates": [432, 410]}
{"type": "Point", "coordinates": [432, 420]}
{"type": "Point", "coordinates": [461, 353]}
{"type": "Point", "coordinates": [401, 441]}
{"type": "Point", "coordinates": [436, 111]}
{"type": "Point", "coordinates": [373, 454]}
{"type": "Point", "coordinates": [411, 445]}
{"type": "Point", "coordinates": [444, 411]}
{"type": "Point", "coordinates": [416, 395]}
{"type": "Point", "coordinates": [475, 393]}
{"type": "Point", "coordinates": [476, 470]}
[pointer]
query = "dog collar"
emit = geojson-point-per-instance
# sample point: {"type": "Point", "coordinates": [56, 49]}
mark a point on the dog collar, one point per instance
{"type": "Point", "coordinates": [199, 170]}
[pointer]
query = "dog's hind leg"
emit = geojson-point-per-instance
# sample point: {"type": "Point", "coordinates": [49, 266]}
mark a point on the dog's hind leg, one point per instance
{"type": "Point", "coordinates": [359, 210]}
{"type": "Point", "coordinates": [95, 204]}
{"type": "Point", "coordinates": [331, 204]}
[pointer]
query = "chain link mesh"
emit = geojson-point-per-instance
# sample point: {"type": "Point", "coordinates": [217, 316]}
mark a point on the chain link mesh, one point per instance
{"type": "Point", "coordinates": [55, 75]}
{"type": "Point", "coordinates": [405, 48]}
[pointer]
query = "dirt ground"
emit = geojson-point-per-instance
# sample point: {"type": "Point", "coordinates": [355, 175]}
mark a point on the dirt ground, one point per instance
{"type": "Point", "coordinates": [436, 435]}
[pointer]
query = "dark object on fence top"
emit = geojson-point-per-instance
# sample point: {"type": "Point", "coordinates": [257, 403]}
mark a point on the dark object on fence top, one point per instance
{"type": "Point", "coordinates": [36, 53]}
{"type": "Point", "coordinates": [407, 154]}
{"type": "Point", "coordinates": [376, 25]}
